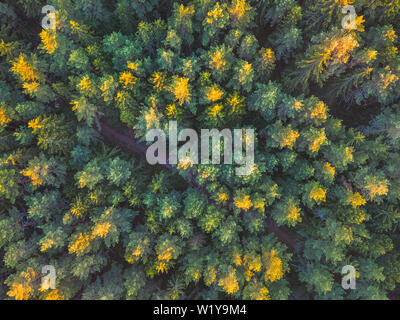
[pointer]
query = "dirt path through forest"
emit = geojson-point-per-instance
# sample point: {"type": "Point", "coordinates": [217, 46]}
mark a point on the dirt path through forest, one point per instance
{"type": "Point", "coordinates": [125, 139]}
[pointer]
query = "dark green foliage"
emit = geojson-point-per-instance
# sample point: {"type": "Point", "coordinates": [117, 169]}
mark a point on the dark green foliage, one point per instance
{"type": "Point", "coordinates": [77, 193]}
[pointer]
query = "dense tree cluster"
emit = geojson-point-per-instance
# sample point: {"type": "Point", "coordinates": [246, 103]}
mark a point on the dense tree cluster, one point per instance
{"type": "Point", "coordinates": [77, 193]}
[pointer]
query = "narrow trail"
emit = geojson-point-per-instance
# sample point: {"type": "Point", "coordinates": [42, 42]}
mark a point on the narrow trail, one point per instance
{"type": "Point", "coordinates": [125, 139]}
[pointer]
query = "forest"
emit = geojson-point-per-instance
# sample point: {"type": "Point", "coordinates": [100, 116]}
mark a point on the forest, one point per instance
{"type": "Point", "coordinates": [85, 216]}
